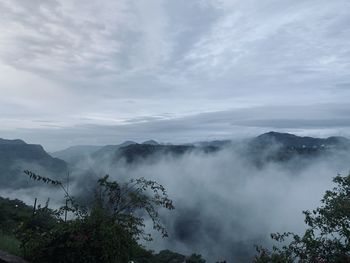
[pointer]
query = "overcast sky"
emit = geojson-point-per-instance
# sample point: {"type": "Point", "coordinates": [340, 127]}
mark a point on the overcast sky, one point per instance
{"type": "Point", "coordinates": [104, 71]}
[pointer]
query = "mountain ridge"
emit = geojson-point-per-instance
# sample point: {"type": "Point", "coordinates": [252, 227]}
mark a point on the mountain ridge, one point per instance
{"type": "Point", "coordinates": [17, 155]}
{"type": "Point", "coordinates": [288, 144]}
{"type": "Point", "coordinates": [292, 140]}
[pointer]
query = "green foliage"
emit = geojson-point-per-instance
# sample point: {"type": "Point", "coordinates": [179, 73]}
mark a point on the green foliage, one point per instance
{"type": "Point", "coordinates": [168, 256]}
{"type": "Point", "coordinates": [165, 256]}
{"type": "Point", "coordinates": [126, 203]}
{"type": "Point", "coordinates": [194, 258]}
{"type": "Point", "coordinates": [107, 232]}
{"type": "Point", "coordinates": [9, 243]}
{"type": "Point", "coordinates": [327, 237]}
{"type": "Point", "coordinates": [34, 231]}
{"type": "Point", "coordinates": [94, 238]}
{"type": "Point", "coordinates": [12, 213]}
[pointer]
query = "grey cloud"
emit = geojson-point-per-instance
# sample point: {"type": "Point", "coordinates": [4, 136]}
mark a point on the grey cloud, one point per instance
{"type": "Point", "coordinates": [190, 59]}
{"type": "Point", "coordinates": [57, 37]}
{"type": "Point", "coordinates": [299, 124]}
{"type": "Point", "coordinates": [322, 119]}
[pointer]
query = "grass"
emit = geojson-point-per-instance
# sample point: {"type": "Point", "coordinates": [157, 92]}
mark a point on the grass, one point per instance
{"type": "Point", "coordinates": [9, 244]}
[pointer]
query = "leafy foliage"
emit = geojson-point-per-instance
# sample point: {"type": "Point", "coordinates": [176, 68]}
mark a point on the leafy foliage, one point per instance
{"type": "Point", "coordinates": [9, 243]}
{"type": "Point", "coordinates": [94, 238]}
{"type": "Point", "coordinates": [107, 232]}
{"type": "Point", "coordinates": [327, 237]}
{"type": "Point", "coordinates": [12, 213]}
{"type": "Point", "coordinates": [124, 202]}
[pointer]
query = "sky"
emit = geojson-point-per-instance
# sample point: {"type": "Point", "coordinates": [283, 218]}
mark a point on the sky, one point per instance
{"type": "Point", "coordinates": [103, 71]}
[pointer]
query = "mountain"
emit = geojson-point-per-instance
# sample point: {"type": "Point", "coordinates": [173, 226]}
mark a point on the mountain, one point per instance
{"type": "Point", "coordinates": [126, 143]}
{"type": "Point", "coordinates": [135, 152]}
{"type": "Point", "coordinates": [147, 150]}
{"type": "Point", "coordinates": [291, 140]}
{"type": "Point", "coordinates": [282, 147]}
{"type": "Point", "coordinates": [108, 150]}
{"type": "Point", "coordinates": [16, 156]}
{"type": "Point", "coordinates": [271, 146]}
{"type": "Point", "coordinates": [76, 153]}
{"type": "Point", "coordinates": [151, 142]}
{"type": "Point", "coordinates": [215, 143]}
{"type": "Point", "coordinates": [3, 141]}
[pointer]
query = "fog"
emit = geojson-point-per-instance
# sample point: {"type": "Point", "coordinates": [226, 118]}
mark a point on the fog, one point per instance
{"type": "Point", "coordinates": [224, 203]}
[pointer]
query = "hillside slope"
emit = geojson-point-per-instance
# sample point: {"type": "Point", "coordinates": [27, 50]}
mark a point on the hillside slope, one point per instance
{"type": "Point", "coordinates": [16, 156]}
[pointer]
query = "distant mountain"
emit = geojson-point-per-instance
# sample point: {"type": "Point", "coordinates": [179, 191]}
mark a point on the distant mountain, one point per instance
{"type": "Point", "coordinates": [16, 156]}
{"type": "Point", "coordinates": [271, 146]}
{"type": "Point", "coordinates": [3, 141]}
{"type": "Point", "coordinates": [135, 152]}
{"type": "Point", "coordinates": [149, 149]}
{"type": "Point", "coordinates": [281, 147]}
{"type": "Point", "coordinates": [151, 142]}
{"type": "Point", "coordinates": [108, 150]}
{"type": "Point", "coordinates": [294, 141]}
{"type": "Point", "coordinates": [215, 143]}
{"type": "Point", "coordinates": [132, 151]}
{"type": "Point", "coordinates": [126, 143]}
{"type": "Point", "coordinates": [76, 153]}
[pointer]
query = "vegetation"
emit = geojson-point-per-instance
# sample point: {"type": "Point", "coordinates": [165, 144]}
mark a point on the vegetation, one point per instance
{"type": "Point", "coordinates": [10, 244]}
{"type": "Point", "coordinates": [327, 237]}
{"type": "Point", "coordinates": [108, 231]}
{"type": "Point", "coordinates": [12, 213]}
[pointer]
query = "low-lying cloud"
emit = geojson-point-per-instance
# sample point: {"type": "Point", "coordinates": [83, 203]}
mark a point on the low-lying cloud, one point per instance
{"type": "Point", "coordinates": [225, 204]}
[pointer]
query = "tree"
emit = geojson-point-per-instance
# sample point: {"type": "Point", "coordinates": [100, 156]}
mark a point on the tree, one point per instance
{"type": "Point", "coordinates": [195, 258]}
{"type": "Point", "coordinates": [129, 202]}
{"type": "Point", "coordinates": [107, 232]}
{"type": "Point", "coordinates": [327, 237]}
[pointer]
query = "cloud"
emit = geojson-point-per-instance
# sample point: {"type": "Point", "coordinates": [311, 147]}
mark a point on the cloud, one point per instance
{"type": "Point", "coordinates": [320, 120]}
{"type": "Point", "coordinates": [224, 203]}
{"type": "Point", "coordinates": [107, 63]}
{"type": "Point", "coordinates": [58, 37]}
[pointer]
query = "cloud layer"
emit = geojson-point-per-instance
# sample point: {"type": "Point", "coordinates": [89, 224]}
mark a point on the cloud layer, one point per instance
{"type": "Point", "coordinates": [67, 65]}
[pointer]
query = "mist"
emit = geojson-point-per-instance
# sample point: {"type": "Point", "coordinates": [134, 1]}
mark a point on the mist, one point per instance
{"type": "Point", "coordinates": [225, 201]}
{"type": "Point", "coordinates": [225, 204]}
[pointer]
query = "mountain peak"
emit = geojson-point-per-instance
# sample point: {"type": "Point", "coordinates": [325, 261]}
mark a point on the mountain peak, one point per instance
{"type": "Point", "coordinates": [12, 142]}
{"type": "Point", "coordinates": [277, 135]}
{"type": "Point", "coordinates": [151, 142]}
{"type": "Point", "coordinates": [126, 143]}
